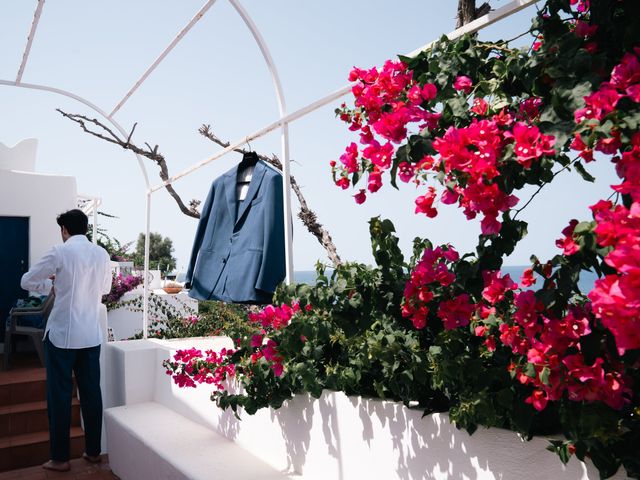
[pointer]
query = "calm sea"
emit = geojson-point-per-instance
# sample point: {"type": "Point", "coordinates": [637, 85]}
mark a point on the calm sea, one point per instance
{"type": "Point", "coordinates": [586, 282]}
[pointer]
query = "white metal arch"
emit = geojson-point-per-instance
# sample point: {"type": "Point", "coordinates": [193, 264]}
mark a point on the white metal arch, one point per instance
{"type": "Point", "coordinates": [282, 122]}
{"type": "Point", "coordinates": [89, 104]}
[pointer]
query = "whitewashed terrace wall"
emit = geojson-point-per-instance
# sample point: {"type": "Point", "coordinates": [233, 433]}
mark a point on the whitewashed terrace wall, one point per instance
{"type": "Point", "coordinates": [338, 437]}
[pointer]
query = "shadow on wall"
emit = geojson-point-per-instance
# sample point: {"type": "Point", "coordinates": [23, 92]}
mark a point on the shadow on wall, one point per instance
{"type": "Point", "coordinates": [296, 422]}
{"type": "Point", "coordinates": [331, 430]}
{"type": "Point", "coordinates": [228, 425]}
{"type": "Point", "coordinates": [431, 447]}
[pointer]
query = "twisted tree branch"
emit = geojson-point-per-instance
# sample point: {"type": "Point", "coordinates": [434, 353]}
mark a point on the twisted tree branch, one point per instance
{"type": "Point", "coordinates": [308, 217]}
{"type": "Point", "coordinates": [151, 153]}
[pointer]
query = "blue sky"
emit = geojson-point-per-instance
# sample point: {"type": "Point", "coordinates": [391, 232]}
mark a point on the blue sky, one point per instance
{"type": "Point", "coordinates": [216, 75]}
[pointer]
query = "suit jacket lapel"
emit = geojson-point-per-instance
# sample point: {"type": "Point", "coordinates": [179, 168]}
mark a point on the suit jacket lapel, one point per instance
{"type": "Point", "coordinates": [256, 180]}
{"type": "Point", "coordinates": [230, 191]}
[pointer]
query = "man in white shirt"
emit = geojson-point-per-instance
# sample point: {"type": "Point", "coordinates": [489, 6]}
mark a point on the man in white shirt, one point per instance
{"type": "Point", "coordinates": [80, 273]}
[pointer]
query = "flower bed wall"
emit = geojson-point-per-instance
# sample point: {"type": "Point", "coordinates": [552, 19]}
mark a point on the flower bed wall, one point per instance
{"type": "Point", "coordinates": [336, 436]}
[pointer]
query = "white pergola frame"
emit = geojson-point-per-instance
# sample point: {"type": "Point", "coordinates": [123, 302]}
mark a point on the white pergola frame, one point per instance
{"type": "Point", "coordinates": [282, 122]}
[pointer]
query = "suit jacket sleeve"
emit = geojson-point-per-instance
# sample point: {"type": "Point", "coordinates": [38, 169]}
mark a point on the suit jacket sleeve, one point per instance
{"type": "Point", "coordinates": [202, 227]}
{"type": "Point", "coordinates": [272, 269]}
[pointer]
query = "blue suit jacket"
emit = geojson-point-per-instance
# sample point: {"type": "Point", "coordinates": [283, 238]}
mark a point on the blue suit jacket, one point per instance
{"type": "Point", "coordinates": [238, 253]}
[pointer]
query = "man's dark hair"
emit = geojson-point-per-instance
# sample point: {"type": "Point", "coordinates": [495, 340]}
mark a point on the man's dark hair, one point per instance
{"type": "Point", "coordinates": [75, 221]}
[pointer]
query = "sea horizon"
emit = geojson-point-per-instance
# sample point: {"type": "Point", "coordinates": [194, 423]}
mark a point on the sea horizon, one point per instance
{"type": "Point", "coordinates": [586, 282]}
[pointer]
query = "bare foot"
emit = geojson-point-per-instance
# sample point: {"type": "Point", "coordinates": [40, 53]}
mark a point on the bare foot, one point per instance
{"type": "Point", "coordinates": [92, 458]}
{"type": "Point", "coordinates": [56, 466]}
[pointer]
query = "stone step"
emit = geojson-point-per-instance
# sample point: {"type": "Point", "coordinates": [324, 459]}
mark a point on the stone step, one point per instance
{"type": "Point", "coordinates": [149, 441]}
{"type": "Point", "coordinates": [30, 418]}
{"type": "Point", "coordinates": [22, 386]}
{"type": "Point", "coordinates": [31, 449]}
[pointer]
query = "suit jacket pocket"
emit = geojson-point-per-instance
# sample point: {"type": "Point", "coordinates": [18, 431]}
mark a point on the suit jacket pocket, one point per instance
{"type": "Point", "coordinates": [244, 269]}
{"type": "Point", "coordinates": [208, 268]}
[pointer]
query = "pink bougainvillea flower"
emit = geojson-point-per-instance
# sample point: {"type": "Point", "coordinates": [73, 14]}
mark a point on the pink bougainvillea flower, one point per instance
{"type": "Point", "coordinates": [277, 368]}
{"type": "Point", "coordinates": [380, 155]}
{"type": "Point", "coordinates": [449, 196]}
{"type": "Point", "coordinates": [626, 73]}
{"type": "Point", "coordinates": [585, 30]}
{"type": "Point", "coordinates": [414, 95]}
{"type": "Point", "coordinates": [567, 244]}
{"type": "Point", "coordinates": [360, 197]}
{"type": "Point", "coordinates": [490, 343]}
{"type": "Point", "coordinates": [599, 104]}
{"type": "Point", "coordinates": [450, 254]}
{"type": "Point", "coordinates": [463, 83]}
{"type": "Point", "coordinates": [456, 312]}
{"type": "Point", "coordinates": [530, 108]}
{"type": "Point", "coordinates": [581, 5]}
{"type": "Point", "coordinates": [616, 302]}
{"type": "Point", "coordinates": [537, 45]}
{"type": "Point", "coordinates": [405, 171]}
{"type": "Point", "coordinates": [530, 143]}
{"type": "Point", "coordinates": [366, 136]}
{"type": "Point", "coordinates": [425, 163]}
{"type": "Point", "coordinates": [495, 286]}
{"type": "Point", "coordinates": [633, 92]}
{"type": "Point", "coordinates": [375, 180]}
{"type": "Point", "coordinates": [429, 92]}
{"type": "Point", "coordinates": [343, 183]}
{"type": "Point", "coordinates": [393, 125]}
{"type": "Point", "coordinates": [480, 330]}
{"type": "Point", "coordinates": [527, 279]}
{"type": "Point", "coordinates": [424, 203]}
{"type": "Point", "coordinates": [538, 399]}
{"type": "Point", "coordinates": [480, 106]}
{"type": "Point", "coordinates": [350, 158]}
{"type": "Point", "coordinates": [577, 144]}
{"type": "Point", "coordinates": [490, 225]}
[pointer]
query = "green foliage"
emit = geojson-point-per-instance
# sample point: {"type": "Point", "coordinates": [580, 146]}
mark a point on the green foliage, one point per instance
{"type": "Point", "coordinates": [118, 251]}
{"type": "Point", "coordinates": [160, 252]}
{"type": "Point", "coordinates": [213, 319]}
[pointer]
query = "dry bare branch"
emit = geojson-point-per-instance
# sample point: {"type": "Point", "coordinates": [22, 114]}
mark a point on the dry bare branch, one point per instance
{"type": "Point", "coordinates": [151, 153]}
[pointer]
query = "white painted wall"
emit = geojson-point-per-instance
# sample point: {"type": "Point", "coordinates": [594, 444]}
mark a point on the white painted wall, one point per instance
{"type": "Point", "coordinates": [337, 437]}
{"type": "Point", "coordinates": [41, 197]}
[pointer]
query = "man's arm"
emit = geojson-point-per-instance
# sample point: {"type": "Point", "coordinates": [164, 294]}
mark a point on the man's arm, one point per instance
{"type": "Point", "coordinates": [37, 279]}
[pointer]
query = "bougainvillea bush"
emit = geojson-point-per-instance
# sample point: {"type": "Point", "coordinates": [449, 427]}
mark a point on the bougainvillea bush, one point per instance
{"type": "Point", "coordinates": [470, 124]}
{"type": "Point", "coordinates": [120, 284]}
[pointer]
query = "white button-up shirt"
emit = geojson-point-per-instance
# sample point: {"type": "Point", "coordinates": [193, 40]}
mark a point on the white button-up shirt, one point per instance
{"type": "Point", "coordinates": [82, 275]}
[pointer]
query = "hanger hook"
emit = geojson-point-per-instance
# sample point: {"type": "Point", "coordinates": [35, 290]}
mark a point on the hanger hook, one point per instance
{"type": "Point", "coordinates": [246, 139]}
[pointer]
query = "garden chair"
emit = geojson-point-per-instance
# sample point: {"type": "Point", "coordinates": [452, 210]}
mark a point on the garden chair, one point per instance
{"type": "Point", "coordinates": [29, 321]}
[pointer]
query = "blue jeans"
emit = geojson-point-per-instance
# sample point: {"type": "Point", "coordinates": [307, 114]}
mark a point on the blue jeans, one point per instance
{"type": "Point", "coordinates": [85, 364]}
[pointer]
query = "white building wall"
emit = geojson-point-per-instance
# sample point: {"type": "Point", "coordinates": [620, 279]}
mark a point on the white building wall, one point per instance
{"type": "Point", "coordinates": [41, 197]}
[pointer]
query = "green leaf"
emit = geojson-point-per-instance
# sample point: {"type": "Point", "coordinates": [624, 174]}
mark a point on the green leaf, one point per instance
{"type": "Point", "coordinates": [544, 375]}
{"type": "Point", "coordinates": [499, 69]}
{"type": "Point", "coordinates": [435, 350]}
{"type": "Point", "coordinates": [583, 172]}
